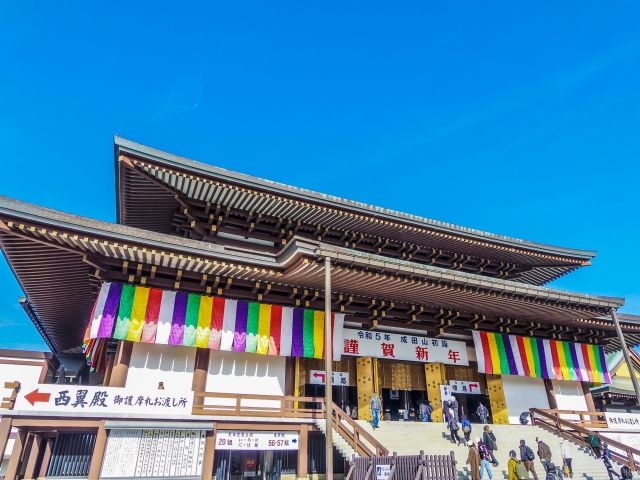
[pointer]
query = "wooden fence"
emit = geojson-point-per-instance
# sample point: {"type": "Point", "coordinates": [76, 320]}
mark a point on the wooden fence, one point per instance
{"type": "Point", "coordinates": [404, 467]}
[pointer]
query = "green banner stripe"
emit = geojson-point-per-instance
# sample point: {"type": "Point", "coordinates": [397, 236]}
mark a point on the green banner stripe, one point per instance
{"type": "Point", "coordinates": [504, 362]}
{"type": "Point", "coordinates": [307, 337]}
{"type": "Point", "coordinates": [124, 312]}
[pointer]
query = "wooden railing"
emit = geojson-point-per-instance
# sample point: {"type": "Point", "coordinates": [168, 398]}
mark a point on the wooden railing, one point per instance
{"type": "Point", "coordinates": [241, 405]}
{"type": "Point", "coordinates": [272, 406]}
{"type": "Point", "coordinates": [579, 430]}
{"type": "Point", "coordinates": [362, 442]}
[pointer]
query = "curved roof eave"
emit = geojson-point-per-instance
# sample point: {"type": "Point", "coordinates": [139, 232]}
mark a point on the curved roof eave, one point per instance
{"type": "Point", "coordinates": [199, 168]}
{"type": "Point", "coordinates": [280, 261]}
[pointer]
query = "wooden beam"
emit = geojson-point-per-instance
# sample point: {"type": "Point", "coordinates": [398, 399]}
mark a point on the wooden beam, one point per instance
{"type": "Point", "coordinates": [98, 452]}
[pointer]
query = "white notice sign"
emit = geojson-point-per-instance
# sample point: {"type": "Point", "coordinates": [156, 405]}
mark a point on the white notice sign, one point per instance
{"type": "Point", "coordinates": [462, 386]}
{"type": "Point", "coordinates": [79, 399]}
{"type": "Point", "coordinates": [153, 453]}
{"type": "Point", "coordinates": [317, 377]}
{"type": "Point", "coordinates": [243, 440]}
{"type": "Point", "coordinates": [383, 472]}
{"type": "Point", "coordinates": [396, 346]}
{"type": "Point", "coordinates": [623, 421]}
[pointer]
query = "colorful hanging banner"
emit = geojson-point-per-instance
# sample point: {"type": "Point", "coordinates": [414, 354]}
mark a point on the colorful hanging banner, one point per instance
{"type": "Point", "coordinates": [151, 315]}
{"type": "Point", "coordinates": [501, 354]}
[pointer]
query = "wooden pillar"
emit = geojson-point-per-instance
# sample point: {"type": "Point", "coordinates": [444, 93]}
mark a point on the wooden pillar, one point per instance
{"type": "Point", "coordinates": [98, 452]}
{"type": "Point", "coordinates": [108, 370]}
{"type": "Point", "coordinates": [34, 443]}
{"type": "Point", "coordinates": [301, 472]}
{"type": "Point", "coordinates": [121, 364]}
{"type": "Point", "coordinates": [435, 375]}
{"type": "Point", "coordinates": [290, 376]}
{"type": "Point", "coordinates": [5, 431]}
{"type": "Point", "coordinates": [46, 456]}
{"type": "Point", "coordinates": [209, 452]}
{"type": "Point", "coordinates": [200, 369]}
{"type": "Point", "coordinates": [16, 455]}
{"type": "Point", "coordinates": [588, 397]}
{"type": "Point", "coordinates": [551, 394]}
{"type": "Point", "coordinates": [365, 386]}
{"type": "Point", "coordinates": [298, 381]}
{"type": "Point", "coordinates": [497, 400]}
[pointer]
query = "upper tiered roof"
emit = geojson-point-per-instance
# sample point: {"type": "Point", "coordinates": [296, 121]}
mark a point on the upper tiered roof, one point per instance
{"type": "Point", "coordinates": [165, 193]}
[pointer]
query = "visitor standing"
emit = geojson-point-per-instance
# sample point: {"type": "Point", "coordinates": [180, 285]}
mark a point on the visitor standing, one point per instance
{"type": "Point", "coordinates": [354, 412]}
{"type": "Point", "coordinates": [483, 413]}
{"type": "Point", "coordinates": [453, 426]}
{"type": "Point", "coordinates": [485, 459]}
{"type": "Point", "coordinates": [473, 460]}
{"type": "Point", "coordinates": [489, 440]}
{"type": "Point", "coordinates": [527, 457]}
{"type": "Point", "coordinates": [453, 404]}
{"type": "Point", "coordinates": [428, 412]}
{"type": "Point", "coordinates": [466, 429]}
{"type": "Point", "coordinates": [376, 408]}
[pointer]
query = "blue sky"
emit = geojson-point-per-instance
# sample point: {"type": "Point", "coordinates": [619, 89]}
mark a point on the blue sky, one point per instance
{"type": "Point", "coordinates": [518, 119]}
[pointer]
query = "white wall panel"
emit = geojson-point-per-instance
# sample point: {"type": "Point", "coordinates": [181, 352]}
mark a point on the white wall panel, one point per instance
{"type": "Point", "coordinates": [523, 393]}
{"type": "Point", "coordinates": [152, 364]}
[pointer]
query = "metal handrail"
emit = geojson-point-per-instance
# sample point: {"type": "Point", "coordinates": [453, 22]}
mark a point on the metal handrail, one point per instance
{"type": "Point", "coordinates": [551, 420]}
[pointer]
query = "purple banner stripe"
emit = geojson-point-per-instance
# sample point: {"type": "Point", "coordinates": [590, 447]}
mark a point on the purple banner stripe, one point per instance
{"type": "Point", "coordinates": [177, 321]}
{"type": "Point", "coordinates": [240, 335]}
{"type": "Point", "coordinates": [543, 359]}
{"type": "Point", "coordinates": [510, 358]}
{"type": "Point", "coordinates": [110, 311]}
{"type": "Point", "coordinates": [297, 336]}
{"type": "Point", "coordinates": [576, 365]}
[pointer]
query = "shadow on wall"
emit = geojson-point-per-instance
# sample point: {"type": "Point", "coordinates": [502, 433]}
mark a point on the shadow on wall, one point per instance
{"type": "Point", "coordinates": [166, 361]}
{"type": "Point", "coordinates": [247, 366]}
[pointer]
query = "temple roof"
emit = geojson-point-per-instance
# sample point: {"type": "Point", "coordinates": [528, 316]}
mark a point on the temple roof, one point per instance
{"type": "Point", "coordinates": [59, 260]}
{"type": "Point", "coordinates": [165, 193]}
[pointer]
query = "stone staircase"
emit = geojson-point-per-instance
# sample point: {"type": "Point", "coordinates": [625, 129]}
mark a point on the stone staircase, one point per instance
{"type": "Point", "coordinates": [340, 443]}
{"type": "Point", "coordinates": [408, 438]}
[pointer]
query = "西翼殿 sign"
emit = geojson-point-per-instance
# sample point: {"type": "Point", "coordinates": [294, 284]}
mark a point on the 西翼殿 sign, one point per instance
{"type": "Point", "coordinates": [79, 399]}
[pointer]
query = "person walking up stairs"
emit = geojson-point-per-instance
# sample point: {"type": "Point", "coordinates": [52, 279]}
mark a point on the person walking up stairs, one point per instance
{"type": "Point", "coordinates": [516, 469]}
{"type": "Point", "coordinates": [527, 457]}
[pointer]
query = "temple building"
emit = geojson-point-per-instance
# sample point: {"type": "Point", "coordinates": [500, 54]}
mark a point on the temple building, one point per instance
{"type": "Point", "coordinates": [187, 338]}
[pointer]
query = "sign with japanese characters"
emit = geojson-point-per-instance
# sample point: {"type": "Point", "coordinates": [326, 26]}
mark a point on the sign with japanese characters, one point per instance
{"type": "Point", "coordinates": [80, 399]}
{"type": "Point", "coordinates": [340, 379]}
{"type": "Point", "coordinates": [397, 346]}
{"type": "Point", "coordinates": [445, 393]}
{"type": "Point", "coordinates": [383, 472]}
{"type": "Point", "coordinates": [623, 421]}
{"type": "Point", "coordinates": [246, 440]}
{"type": "Point", "coordinates": [153, 453]}
{"type": "Point", "coordinates": [462, 386]}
